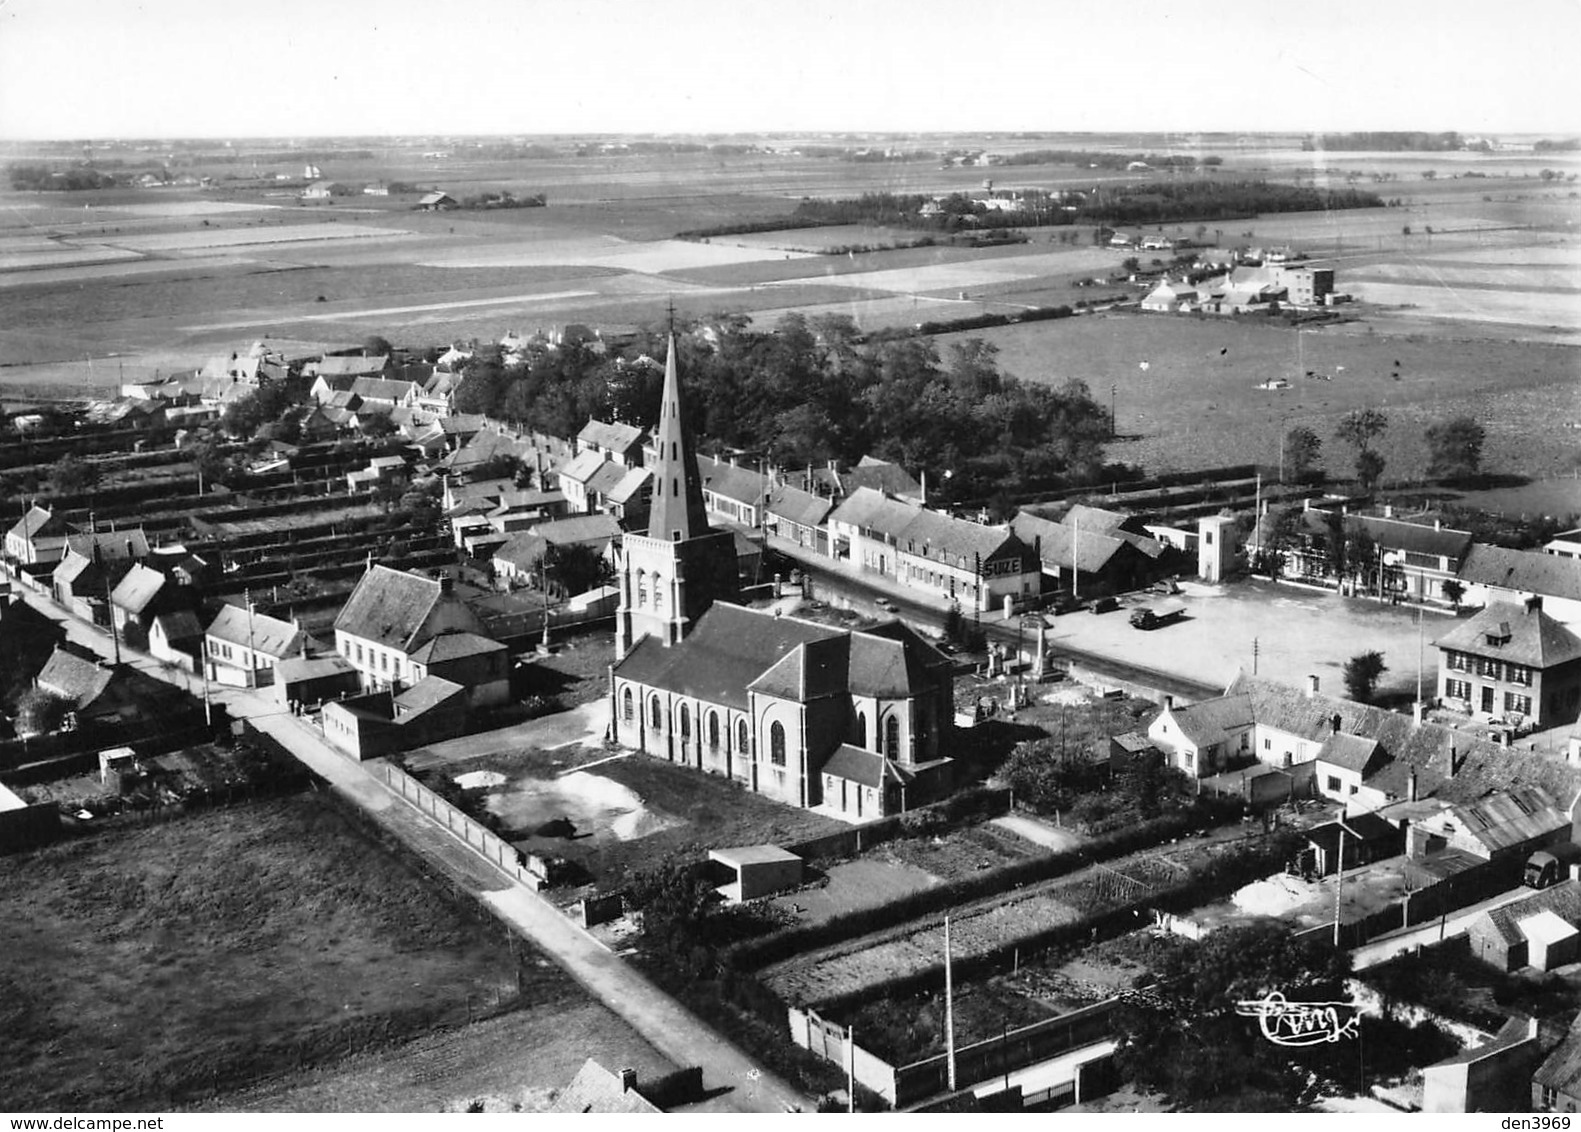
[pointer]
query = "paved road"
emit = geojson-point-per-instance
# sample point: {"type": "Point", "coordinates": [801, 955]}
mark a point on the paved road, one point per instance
{"type": "Point", "coordinates": [1431, 932]}
{"type": "Point", "coordinates": [662, 1021]}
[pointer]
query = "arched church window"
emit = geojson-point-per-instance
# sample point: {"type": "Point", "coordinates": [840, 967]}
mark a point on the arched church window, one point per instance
{"type": "Point", "coordinates": [892, 737]}
{"type": "Point", "coordinates": [627, 706]}
{"type": "Point", "coordinates": [777, 744]}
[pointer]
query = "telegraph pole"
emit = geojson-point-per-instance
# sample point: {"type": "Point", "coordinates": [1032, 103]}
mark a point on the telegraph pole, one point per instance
{"type": "Point", "coordinates": [949, 1008]}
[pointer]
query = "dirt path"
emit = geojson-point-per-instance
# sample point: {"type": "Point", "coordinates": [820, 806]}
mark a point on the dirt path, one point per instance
{"type": "Point", "coordinates": [1039, 832]}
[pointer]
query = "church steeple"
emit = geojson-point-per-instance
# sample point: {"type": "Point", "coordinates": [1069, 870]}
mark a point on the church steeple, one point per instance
{"type": "Point", "coordinates": [677, 512]}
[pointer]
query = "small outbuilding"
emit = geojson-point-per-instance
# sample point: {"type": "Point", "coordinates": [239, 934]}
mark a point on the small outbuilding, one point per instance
{"type": "Point", "coordinates": [760, 870]}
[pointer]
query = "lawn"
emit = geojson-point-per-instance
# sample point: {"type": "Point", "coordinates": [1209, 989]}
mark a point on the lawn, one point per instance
{"type": "Point", "coordinates": [153, 966]}
{"type": "Point", "coordinates": [1196, 404]}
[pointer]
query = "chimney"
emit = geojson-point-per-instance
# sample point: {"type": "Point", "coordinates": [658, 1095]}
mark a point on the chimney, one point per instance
{"type": "Point", "coordinates": [1312, 687]}
{"type": "Point", "coordinates": [1388, 511]}
{"type": "Point", "coordinates": [1438, 524]}
{"type": "Point", "coordinates": [447, 584]}
{"type": "Point", "coordinates": [1534, 604]}
{"type": "Point", "coordinates": [1169, 700]}
{"type": "Point", "coordinates": [1410, 786]}
{"type": "Point", "coordinates": [628, 1080]}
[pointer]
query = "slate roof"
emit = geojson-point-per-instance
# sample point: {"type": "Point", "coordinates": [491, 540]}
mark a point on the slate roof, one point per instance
{"type": "Point", "coordinates": [139, 587]}
{"type": "Point", "coordinates": [743, 485]}
{"type": "Point", "coordinates": [380, 389]}
{"type": "Point", "coordinates": [800, 507]}
{"type": "Point", "coordinates": [1415, 538]}
{"type": "Point", "coordinates": [1529, 571]}
{"type": "Point", "coordinates": [1350, 752]}
{"type": "Point", "coordinates": [629, 486]}
{"type": "Point", "coordinates": [525, 547]}
{"type": "Point", "coordinates": [866, 768]}
{"type": "Point", "coordinates": [390, 607]}
{"type": "Point", "coordinates": [1563, 899]}
{"type": "Point", "coordinates": [729, 647]}
{"type": "Point", "coordinates": [1534, 638]}
{"type": "Point", "coordinates": [1212, 721]}
{"type": "Point", "coordinates": [294, 669]}
{"type": "Point", "coordinates": [454, 646]}
{"type": "Point", "coordinates": [182, 625]}
{"type": "Point", "coordinates": [260, 632]}
{"type": "Point", "coordinates": [932, 534]}
{"type": "Point", "coordinates": [611, 436]}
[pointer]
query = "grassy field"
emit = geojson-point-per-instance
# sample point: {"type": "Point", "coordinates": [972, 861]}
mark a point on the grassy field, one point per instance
{"type": "Point", "coordinates": [1197, 405]}
{"type": "Point", "coordinates": [152, 966]}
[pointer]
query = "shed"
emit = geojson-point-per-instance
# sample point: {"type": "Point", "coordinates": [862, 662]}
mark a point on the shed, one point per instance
{"type": "Point", "coordinates": [760, 870]}
{"type": "Point", "coordinates": [1551, 941]}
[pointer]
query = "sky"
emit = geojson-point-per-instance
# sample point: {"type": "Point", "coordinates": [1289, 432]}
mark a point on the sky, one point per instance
{"type": "Point", "coordinates": [296, 68]}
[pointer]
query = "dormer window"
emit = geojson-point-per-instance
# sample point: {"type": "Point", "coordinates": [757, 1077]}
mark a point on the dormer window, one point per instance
{"type": "Point", "coordinates": [1498, 638]}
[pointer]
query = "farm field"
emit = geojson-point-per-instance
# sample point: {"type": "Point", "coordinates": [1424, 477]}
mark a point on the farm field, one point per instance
{"type": "Point", "coordinates": [1197, 405]}
{"type": "Point", "coordinates": [148, 967]}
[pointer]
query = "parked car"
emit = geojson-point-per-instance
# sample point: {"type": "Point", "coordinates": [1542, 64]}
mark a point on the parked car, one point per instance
{"type": "Point", "coordinates": [1157, 616]}
{"type": "Point", "coordinates": [1105, 605]}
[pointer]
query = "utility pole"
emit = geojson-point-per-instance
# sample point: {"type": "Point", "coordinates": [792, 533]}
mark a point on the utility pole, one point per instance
{"type": "Point", "coordinates": [1075, 570]}
{"type": "Point", "coordinates": [1112, 431]}
{"type": "Point", "coordinates": [1254, 656]}
{"type": "Point", "coordinates": [1339, 882]}
{"type": "Point", "coordinates": [850, 1069]}
{"type": "Point", "coordinates": [949, 1008]}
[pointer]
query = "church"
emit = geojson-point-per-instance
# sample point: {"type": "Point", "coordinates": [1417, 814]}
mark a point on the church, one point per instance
{"type": "Point", "coordinates": [851, 721]}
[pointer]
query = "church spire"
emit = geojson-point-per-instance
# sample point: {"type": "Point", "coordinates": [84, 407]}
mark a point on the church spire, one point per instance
{"type": "Point", "coordinates": [676, 513]}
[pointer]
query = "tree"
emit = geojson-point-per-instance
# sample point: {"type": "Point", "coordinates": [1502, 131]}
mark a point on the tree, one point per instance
{"type": "Point", "coordinates": [72, 475]}
{"type": "Point", "coordinates": [376, 425]}
{"type": "Point", "coordinates": [1454, 590]}
{"type": "Point", "coordinates": [39, 712]}
{"type": "Point", "coordinates": [1131, 264]}
{"type": "Point", "coordinates": [1455, 448]}
{"type": "Point", "coordinates": [374, 346]}
{"type": "Point", "coordinates": [1359, 428]}
{"type": "Point", "coordinates": [1361, 675]}
{"type": "Point", "coordinates": [1303, 448]}
{"type": "Point", "coordinates": [1183, 1037]}
{"type": "Point", "coordinates": [575, 568]}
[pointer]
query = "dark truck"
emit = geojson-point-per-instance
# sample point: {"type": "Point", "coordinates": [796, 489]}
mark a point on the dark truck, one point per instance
{"type": "Point", "coordinates": [1157, 616]}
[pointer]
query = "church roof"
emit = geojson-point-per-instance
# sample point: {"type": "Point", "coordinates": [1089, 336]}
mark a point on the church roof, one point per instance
{"type": "Point", "coordinates": [677, 510]}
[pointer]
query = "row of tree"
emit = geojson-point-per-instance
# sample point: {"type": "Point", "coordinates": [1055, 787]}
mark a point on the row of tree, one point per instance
{"type": "Point", "coordinates": [1454, 447]}
{"type": "Point", "coordinates": [812, 391]}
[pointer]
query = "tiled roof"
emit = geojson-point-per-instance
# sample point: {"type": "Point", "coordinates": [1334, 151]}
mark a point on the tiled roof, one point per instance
{"type": "Point", "coordinates": [933, 534]}
{"type": "Point", "coordinates": [583, 466]}
{"type": "Point", "coordinates": [1212, 721]}
{"type": "Point", "coordinates": [389, 607]}
{"type": "Point", "coordinates": [39, 521]}
{"type": "Point", "coordinates": [139, 587]}
{"type": "Point", "coordinates": [629, 486]}
{"type": "Point", "coordinates": [611, 436]}
{"type": "Point", "coordinates": [880, 475]}
{"type": "Point", "coordinates": [182, 625]}
{"type": "Point", "coordinates": [1563, 899]}
{"type": "Point", "coordinates": [608, 476]}
{"type": "Point", "coordinates": [297, 668]}
{"type": "Point", "coordinates": [260, 632]}
{"type": "Point", "coordinates": [1058, 544]}
{"type": "Point", "coordinates": [892, 661]}
{"type": "Point", "coordinates": [130, 543]}
{"type": "Point", "coordinates": [866, 768]}
{"type": "Point", "coordinates": [596, 1089]}
{"type": "Point", "coordinates": [1528, 571]}
{"type": "Point", "coordinates": [1351, 752]}
{"type": "Point", "coordinates": [1481, 766]}
{"type": "Point", "coordinates": [429, 692]}
{"type": "Point", "coordinates": [867, 509]}
{"type": "Point", "coordinates": [379, 389]}
{"type": "Point", "coordinates": [454, 646]}
{"type": "Point", "coordinates": [1561, 1070]}
{"type": "Point", "coordinates": [1415, 538]}
{"type": "Point", "coordinates": [1515, 634]}
{"type": "Point", "coordinates": [800, 507]}
{"type": "Point", "coordinates": [74, 678]}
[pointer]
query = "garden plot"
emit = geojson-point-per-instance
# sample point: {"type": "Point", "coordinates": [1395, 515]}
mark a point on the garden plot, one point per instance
{"type": "Point", "coordinates": [611, 252]}
{"type": "Point", "coordinates": [983, 273]}
{"type": "Point", "coordinates": [184, 208]}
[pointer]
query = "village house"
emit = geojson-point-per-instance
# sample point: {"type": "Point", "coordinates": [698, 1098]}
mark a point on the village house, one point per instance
{"type": "Point", "coordinates": [310, 680]}
{"type": "Point", "coordinates": [100, 694]}
{"type": "Point", "coordinates": [393, 614]}
{"type": "Point", "coordinates": [731, 492]}
{"type": "Point", "coordinates": [1556, 1083]}
{"type": "Point", "coordinates": [334, 371]}
{"type": "Point", "coordinates": [1409, 560]}
{"type": "Point", "coordinates": [797, 515]}
{"type": "Point", "coordinates": [38, 537]}
{"type": "Point", "coordinates": [1513, 663]}
{"type": "Point", "coordinates": [387, 720]}
{"type": "Point", "coordinates": [952, 559]}
{"type": "Point", "coordinates": [1538, 931]}
{"type": "Point", "coordinates": [177, 638]}
{"type": "Point", "coordinates": [93, 563]}
{"type": "Point", "coordinates": [137, 598]}
{"type": "Point", "coordinates": [437, 202]}
{"type": "Point", "coordinates": [619, 443]}
{"type": "Point", "coordinates": [241, 646]}
{"type": "Point", "coordinates": [1085, 557]}
{"type": "Point", "coordinates": [1565, 544]}
{"type": "Point", "coordinates": [520, 559]}
{"type": "Point", "coordinates": [1496, 574]}
{"type": "Point", "coordinates": [1170, 296]}
{"type": "Point", "coordinates": [592, 482]}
